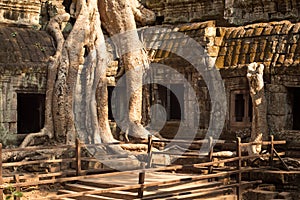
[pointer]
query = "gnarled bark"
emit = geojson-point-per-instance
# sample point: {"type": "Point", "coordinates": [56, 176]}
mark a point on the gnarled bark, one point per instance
{"type": "Point", "coordinates": [78, 69]}
{"type": "Point", "coordinates": [119, 17]}
{"type": "Point", "coordinates": [259, 118]}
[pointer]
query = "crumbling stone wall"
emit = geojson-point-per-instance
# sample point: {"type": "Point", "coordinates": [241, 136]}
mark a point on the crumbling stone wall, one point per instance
{"type": "Point", "coordinates": [24, 55]}
{"type": "Point", "coordinates": [241, 12]}
{"type": "Point", "coordinates": [277, 46]}
{"type": "Point", "coordinates": [226, 12]}
{"type": "Point", "coordinates": [20, 12]}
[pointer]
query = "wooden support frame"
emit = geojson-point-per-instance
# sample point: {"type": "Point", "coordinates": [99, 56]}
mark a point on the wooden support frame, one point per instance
{"type": "Point", "coordinates": [1, 175]}
{"type": "Point", "coordinates": [142, 175]}
{"type": "Point", "coordinates": [149, 151]}
{"type": "Point", "coordinates": [78, 172]}
{"type": "Point", "coordinates": [239, 167]}
{"type": "Point", "coordinates": [78, 157]}
{"type": "Point", "coordinates": [271, 150]}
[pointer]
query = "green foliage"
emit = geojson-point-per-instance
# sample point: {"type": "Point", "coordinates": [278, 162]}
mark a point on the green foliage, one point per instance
{"type": "Point", "coordinates": [14, 34]}
{"type": "Point", "coordinates": [35, 27]}
{"type": "Point", "coordinates": [12, 193]}
{"type": "Point", "coordinates": [38, 45]}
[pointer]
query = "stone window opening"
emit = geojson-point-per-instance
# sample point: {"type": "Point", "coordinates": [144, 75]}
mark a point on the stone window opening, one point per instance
{"type": "Point", "coordinates": [173, 104]}
{"type": "Point", "coordinates": [117, 102]}
{"type": "Point", "coordinates": [110, 93]}
{"type": "Point", "coordinates": [31, 112]}
{"type": "Point", "coordinates": [240, 108]}
{"type": "Point", "coordinates": [294, 94]}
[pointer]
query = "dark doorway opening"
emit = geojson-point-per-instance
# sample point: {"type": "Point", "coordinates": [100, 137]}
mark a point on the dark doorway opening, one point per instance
{"type": "Point", "coordinates": [110, 90]}
{"type": "Point", "coordinates": [31, 112]}
{"type": "Point", "coordinates": [173, 104]}
{"type": "Point", "coordinates": [296, 108]}
{"type": "Point", "coordinates": [176, 102]}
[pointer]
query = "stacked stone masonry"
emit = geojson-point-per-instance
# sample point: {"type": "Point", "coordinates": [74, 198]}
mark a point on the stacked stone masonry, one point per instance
{"type": "Point", "coordinates": [24, 55]}
{"type": "Point", "coordinates": [237, 12]}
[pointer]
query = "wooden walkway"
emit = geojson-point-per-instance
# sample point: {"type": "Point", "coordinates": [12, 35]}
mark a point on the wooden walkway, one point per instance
{"type": "Point", "coordinates": [149, 182]}
{"type": "Point", "coordinates": [173, 189]}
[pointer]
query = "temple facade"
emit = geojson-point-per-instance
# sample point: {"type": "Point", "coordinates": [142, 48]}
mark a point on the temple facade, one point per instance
{"type": "Point", "coordinates": [232, 33]}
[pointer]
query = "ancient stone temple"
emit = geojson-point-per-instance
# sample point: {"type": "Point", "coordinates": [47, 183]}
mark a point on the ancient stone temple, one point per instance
{"type": "Point", "coordinates": [24, 54]}
{"type": "Point", "coordinates": [233, 33]}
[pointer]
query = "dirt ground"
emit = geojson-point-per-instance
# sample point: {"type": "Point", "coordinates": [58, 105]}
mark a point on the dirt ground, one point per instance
{"type": "Point", "coordinates": [40, 192]}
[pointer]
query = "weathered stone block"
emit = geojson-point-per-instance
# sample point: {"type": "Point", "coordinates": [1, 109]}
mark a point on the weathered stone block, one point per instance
{"type": "Point", "coordinates": [252, 57]}
{"type": "Point", "coordinates": [275, 88]}
{"type": "Point", "coordinates": [259, 195]}
{"type": "Point", "coordinates": [213, 51]}
{"type": "Point", "coordinates": [242, 58]}
{"type": "Point", "coordinates": [296, 28]}
{"type": "Point", "coordinates": [276, 104]}
{"type": "Point", "coordinates": [220, 62]}
{"type": "Point", "coordinates": [281, 59]}
{"type": "Point", "coordinates": [249, 32]}
{"type": "Point", "coordinates": [276, 122]}
{"type": "Point", "coordinates": [293, 48]}
{"type": "Point", "coordinates": [258, 31]}
{"type": "Point", "coordinates": [210, 32]}
{"type": "Point", "coordinates": [285, 195]}
{"type": "Point", "coordinates": [235, 60]}
{"type": "Point", "coordinates": [267, 30]}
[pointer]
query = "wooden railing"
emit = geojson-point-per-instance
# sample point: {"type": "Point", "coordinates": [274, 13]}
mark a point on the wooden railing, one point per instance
{"type": "Point", "coordinates": [19, 180]}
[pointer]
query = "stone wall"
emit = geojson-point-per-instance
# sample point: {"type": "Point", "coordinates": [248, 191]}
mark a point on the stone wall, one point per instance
{"type": "Point", "coordinates": [241, 12]}
{"type": "Point", "coordinates": [179, 11]}
{"type": "Point", "coordinates": [275, 44]}
{"type": "Point", "coordinates": [24, 55]}
{"type": "Point", "coordinates": [20, 12]}
{"type": "Point", "coordinates": [234, 12]}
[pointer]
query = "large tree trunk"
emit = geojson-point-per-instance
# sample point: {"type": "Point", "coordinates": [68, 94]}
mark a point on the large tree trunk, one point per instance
{"type": "Point", "coordinates": [78, 69]}
{"type": "Point", "coordinates": [119, 17]}
{"type": "Point", "coordinates": [82, 51]}
{"type": "Point", "coordinates": [259, 129]}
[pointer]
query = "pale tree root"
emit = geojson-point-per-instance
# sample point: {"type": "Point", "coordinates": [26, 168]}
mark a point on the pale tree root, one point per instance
{"type": "Point", "coordinates": [28, 139]}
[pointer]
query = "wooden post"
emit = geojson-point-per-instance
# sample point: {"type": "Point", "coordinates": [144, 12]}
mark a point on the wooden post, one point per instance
{"type": "Point", "coordinates": [210, 156]}
{"type": "Point", "coordinates": [18, 189]}
{"type": "Point", "coordinates": [149, 151]}
{"type": "Point", "coordinates": [78, 157]}
{"type": "Point", "coordinates": [239, 167]}
{"type": "Point", "coordinates": [1, 178]}
{"type": "Point", "coordinates": [141, 181]}
{"type": "Point", "coordinates": [271, 158]}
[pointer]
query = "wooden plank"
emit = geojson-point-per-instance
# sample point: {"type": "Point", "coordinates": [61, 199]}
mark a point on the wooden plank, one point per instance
{"type": "Point", "coordinates": [282, 161]}
{"type": "Point", "coordinates": [1, 175]}
{"type": "Point", "coordinates": [27, 149]}
{"type": "Point", "coordinates": [61, 180]}
{"type": "Point", "coordinates": [197, 194]}
{"type": "Point", "coordinates": [263, 143]}
{"type": "Point", "coordinates": [141, 181]}
{"type": "Point", "coordinates": [10, 177]}
{"type": "Point", "coordinates": [206, 191]}
{"type": "Point", "coordinates": [149, 151]}
{"type": "Point", "coordinates": [191, 185]}
{"type": "Point", "coordinates": [188, 141]}
{"type": "Point", "coordinates": [112, 194]}
{"type": "Point", "coordinates": [146, 185]}
{"type": "Point", "coordinates": [239, 166]}
{"type": "Point", "coordinates": [33, 162]}
{"type": "Point", "coordinates": [78, 157]}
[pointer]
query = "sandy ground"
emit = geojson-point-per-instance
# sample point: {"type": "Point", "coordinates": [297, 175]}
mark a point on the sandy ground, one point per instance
{"type": "Point", "coordinates": [40, 192]}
